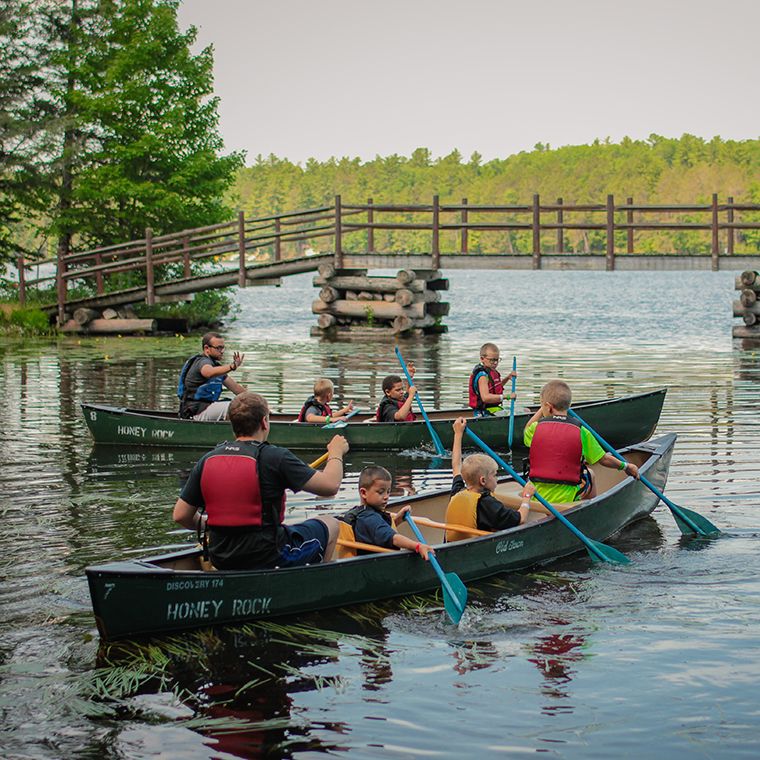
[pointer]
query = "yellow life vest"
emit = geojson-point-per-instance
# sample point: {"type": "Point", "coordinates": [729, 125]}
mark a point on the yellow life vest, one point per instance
{"type": "Point", "coordinates": [462, 510]}
{"type": "Point", "coordinates": [345, 533]}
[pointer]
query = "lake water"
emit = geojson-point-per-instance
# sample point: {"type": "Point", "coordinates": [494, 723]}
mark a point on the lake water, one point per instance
{"type": "Point", "coordinates": [573, 660]}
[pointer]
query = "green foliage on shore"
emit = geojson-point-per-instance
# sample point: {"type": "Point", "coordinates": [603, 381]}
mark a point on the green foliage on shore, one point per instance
{"type": "Point", "coordinates": [109, 126]}
{"type": "Point", "coordinates": [18, 320]}
{"type": "Point", "coordinates": [658, 170]}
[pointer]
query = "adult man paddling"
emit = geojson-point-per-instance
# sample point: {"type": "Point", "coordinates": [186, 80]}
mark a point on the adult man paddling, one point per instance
{"type": "Point", "coordinates": [201, 380]}
{"type": "Point", "coordinates": [240, 485]}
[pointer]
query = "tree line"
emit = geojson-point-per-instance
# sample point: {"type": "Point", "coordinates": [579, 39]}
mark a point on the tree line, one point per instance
{"type": "Point", "coordinates": [658, 170]}
{"type": "Point", "coordinates": [108, 126]}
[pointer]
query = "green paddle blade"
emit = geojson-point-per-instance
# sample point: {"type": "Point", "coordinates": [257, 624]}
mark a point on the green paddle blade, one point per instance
{"type": "Point", "coordinates": [454, 606]}
{"type": "Point", "coordinates": [608, 553]}
{"type": "Point", "coordinates": [704, 525]}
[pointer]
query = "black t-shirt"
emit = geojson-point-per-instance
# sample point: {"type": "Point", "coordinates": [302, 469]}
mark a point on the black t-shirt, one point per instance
{"type": "Point", "coordinates": [491, 513]}
{"type": "Point", "coordinates": [388, 409]}
{"type": "Point", "coordinates": [250, 547]}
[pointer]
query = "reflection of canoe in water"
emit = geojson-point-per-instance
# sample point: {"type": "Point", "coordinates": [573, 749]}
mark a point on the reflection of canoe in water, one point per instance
{"type": "Point", "coordinates": [622, 421]}
{"type": "Point", "coordinates": [172, 591]}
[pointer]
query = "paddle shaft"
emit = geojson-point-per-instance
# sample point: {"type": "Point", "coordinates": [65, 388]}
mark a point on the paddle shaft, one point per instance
{"type": "Point", "coordinates": [341, 423]}
{"type": "Point", "coordinates": [319, 461]}
{"type": "Point", "coordinates": [512, 404]}
{"type": "Point", "coordinates": [653, 488]}
{"type": "Point", "coordinates": [434, 562]}
{"type": "Point", "coordinates": [360, 545]}
{"type": "Point", "coordinates": [587, 542]}
{"type": "Point", "coordinates": [436, 440]}
{"type": "Point", "coordinates": [451, 526]}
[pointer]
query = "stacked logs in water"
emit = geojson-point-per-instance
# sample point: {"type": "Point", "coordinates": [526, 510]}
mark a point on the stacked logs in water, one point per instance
{"type": "Point", "coordinates": [108, 322]}
{"type": "Point", "coordinates": [748, 305]}
{"type": "Point", "coordinates": [353, 302]}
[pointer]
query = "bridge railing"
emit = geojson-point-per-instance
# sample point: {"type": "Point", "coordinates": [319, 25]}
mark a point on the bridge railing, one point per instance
{"type": "Point", "coordinates": [424, 228]}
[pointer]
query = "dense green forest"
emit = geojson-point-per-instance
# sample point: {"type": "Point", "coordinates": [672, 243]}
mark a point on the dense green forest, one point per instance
{"type": "Point", "coordinates": [659, 170]}
{"type": "Point", "coordinates": [108, 126]}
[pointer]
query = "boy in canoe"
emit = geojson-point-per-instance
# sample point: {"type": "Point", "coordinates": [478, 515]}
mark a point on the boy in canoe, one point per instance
{"type": "Point", "coordinates": [317, 406]}
{"type": "Point", "coordinates": [240, 486]}
{"type": "Point", "coordinates": [370, 522]}
{"type": "Point", "coordinates": [472, 502]}
{"type": "Point", "coordinates": [486, 388]}
{"type": "Point", "coordinates": [561, 449]}
{"type": "Point", "coordinates": [201, 380]}
{"type": "Point", "coordinates": [396, 406]}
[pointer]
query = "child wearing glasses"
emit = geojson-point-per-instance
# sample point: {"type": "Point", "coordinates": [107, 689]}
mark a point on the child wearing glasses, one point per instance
{"type": "Point", "coordinates": [486, 387]}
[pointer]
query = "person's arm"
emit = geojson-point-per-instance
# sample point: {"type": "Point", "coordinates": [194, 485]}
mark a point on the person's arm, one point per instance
{"type": "Point", "coordinates": [315, 417]}
{"type": "Point", "coordinates": [209, 369]}
{"type": "Point", "coordinates": [327, 482]}
{"type": "Point", "coordinates": [402, 542]}
{"type": "Point", "coordinates": [349, 407]}
{"type": "Point", "coordinates": [493, 515]}
{"type": "Point", "coordinates": [233, 385]}
{"type": "Point", "coordinates": [456, 449]}
{"type": "Point", "coordinates": [406, 407]}
{"type": "Point", "coordinates": [608, 460]}
{"type": "Point", "coordinates": [489, 399]}
{"type": "Point", "coordinates": [186, 514]}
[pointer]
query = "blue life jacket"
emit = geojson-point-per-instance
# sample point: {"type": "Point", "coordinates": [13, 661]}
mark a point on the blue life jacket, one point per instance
{"type": "Point", "coordinates": [207, 392]}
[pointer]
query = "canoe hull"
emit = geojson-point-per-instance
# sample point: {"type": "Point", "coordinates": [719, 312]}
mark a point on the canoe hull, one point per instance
{"type": "Point", "coordinates": [151, 597]}
{"type": "Point", "coordinates": [622, 421]}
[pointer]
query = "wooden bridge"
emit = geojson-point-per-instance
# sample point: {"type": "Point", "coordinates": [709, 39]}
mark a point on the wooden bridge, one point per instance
{"type": "Point", "coordinates": [262, 250]}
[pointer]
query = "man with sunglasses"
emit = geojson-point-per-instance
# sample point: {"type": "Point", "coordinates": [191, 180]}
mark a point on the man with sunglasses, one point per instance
{"type": "Point", "coordinates": [202, 378]}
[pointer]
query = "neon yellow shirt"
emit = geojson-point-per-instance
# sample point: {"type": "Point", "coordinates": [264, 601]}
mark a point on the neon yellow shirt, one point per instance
{"type": "Point", "coordinates": [559, 493]}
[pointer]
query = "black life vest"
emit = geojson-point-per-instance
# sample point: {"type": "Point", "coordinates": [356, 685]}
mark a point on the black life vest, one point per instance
{"type": "Point", "coordinates": [388, 401]}
{"type": "Point", "coordinates": [556, 451]}
{"type": "Point", "coordinates": [204, 392]}
{"type": "Point", "coordinates": [352, 515]}
{"type": "Point", "coordinates": [494, 386]}
{"type": "Point", "coordinates": [324, 409]}
{"type": "Point", "coordinates": [232, 491]}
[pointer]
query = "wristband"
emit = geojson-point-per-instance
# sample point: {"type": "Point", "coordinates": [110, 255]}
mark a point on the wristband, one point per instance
{"type": "Point", "coordinates": [525, 504]}
{"type": "Point", "coordinates": [340, 459]}
{"type": "Point", "coordinates": [233, 366]}
{"type": "Point", "coordinates": [417, 548]}
{"type": "Point", "coordinates": [328, 418]}
{"type": "Point", "coordinates": [622, 466]}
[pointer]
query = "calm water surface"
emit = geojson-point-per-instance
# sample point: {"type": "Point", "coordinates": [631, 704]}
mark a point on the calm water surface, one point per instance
{"type": "Point", "coordinates": [655, 659]}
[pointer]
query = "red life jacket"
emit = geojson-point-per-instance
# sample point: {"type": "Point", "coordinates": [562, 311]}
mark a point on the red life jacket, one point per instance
{"type": "Point", "coordinates": [494, 386]}
{"type": "Point", "coordinates": [232, 491]}
{"type": "Point", "coordinates": [556, 451]}
{"type": "Point", "coordinates": [388, 401]}
{"type": "Point", "coordinates": [324, 409]}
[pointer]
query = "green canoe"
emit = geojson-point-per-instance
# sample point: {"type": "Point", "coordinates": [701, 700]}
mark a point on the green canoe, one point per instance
{"type": "Point", "coordinates": [622, 421]}
{"type": "Point", "coordinates": [171, 592]}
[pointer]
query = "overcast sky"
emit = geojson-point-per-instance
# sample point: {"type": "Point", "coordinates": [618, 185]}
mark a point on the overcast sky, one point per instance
{"type": "Point", "coordinates": [321, 78]}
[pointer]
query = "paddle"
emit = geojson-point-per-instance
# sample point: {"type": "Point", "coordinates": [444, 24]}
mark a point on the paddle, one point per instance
{"type": "Point", "coordinates": [596, 549]}
{"type": "Point", "coordinates": [454, 591]}
{"type": "Point", "coordinates": [512, 405]}
{"type": "Point", "coordinates": [436, 440]}
{"type": "Point", "coordinates": [688, 521]}
{"type": "Point", "coordinates": [340, 423]}
{"type": "Point", "coordinates": [319, 461]}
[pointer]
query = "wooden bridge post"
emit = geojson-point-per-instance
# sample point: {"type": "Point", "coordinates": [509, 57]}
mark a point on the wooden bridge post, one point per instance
{"type": "Point", "coordinates": [536, 232]}
{"type": "Point", "coordinates": [560, 229]}
{"type": "Point", "coordinates": [277, 240]}
{"type": "Point", "coordinates": [21, 280]}
{"type": "Point", "coordinates": [61, 283]}
{"type": "Point", "coordinates": [370, 230]}
{"type": "Point", "coordinates": [465, 241]}
{"type": "Point", "coordinates": [241, 249]}
{"type": "Point", "coordinates": [610, 256]}
{"type": "Point", "coordinates": [629, 231]}
{"type": "Point", "coordinates": [730, 219]}
{"type": "Point", "coordinates": [186, 256]}
{"type": "Point", "coordinates": [715, 238]}
{"type": "Point", "coordinates": [150, 293]}
{"type": "Point", "coordinates": [435, 247]}
{"type": "Point", "coordinates": [338, 234]}
{"type": "Point", "coordinates": [99, 275]}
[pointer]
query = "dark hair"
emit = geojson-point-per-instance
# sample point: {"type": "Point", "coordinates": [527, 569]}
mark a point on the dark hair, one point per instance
{"type": "Point", "coordinates": [389, 382]}
{"type": "Point", "coordinates": [247, 412]}
{"type": "Point", "coordinates": [208, 337]}
{"type": "Point", "coordinates": [372, 473]}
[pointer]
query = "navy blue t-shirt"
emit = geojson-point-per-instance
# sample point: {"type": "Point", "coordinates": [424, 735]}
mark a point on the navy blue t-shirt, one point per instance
{"type": "Point", "coordinates": [371, 528]}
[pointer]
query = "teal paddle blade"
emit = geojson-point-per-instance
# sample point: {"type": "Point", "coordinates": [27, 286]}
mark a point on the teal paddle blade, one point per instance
{"type": "Point", "coordinates": [600, 552]}
{"type": "Point", "coordinates": [455, 605]}
{"type": "Point", "coordinates": [704, 525]}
